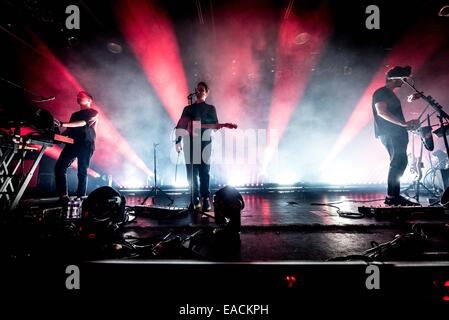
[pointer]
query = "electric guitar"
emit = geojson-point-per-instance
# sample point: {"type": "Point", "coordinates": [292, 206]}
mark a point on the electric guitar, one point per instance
{"type": "Point", "coordinates": [419, 165]}
{"type": "Point", "coordinates": [416, 164]}
{"type": "Point", "coordinates": [217, 126]}
{"type": "Point", "coordinates": [195, 133]}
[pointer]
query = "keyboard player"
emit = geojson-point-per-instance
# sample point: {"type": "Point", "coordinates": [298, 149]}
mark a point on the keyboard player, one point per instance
{"type": "Point", "coordinates": [81, 128]}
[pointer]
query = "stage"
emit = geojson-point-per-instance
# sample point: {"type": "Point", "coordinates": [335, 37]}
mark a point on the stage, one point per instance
{"type": "Point", "coordinates": [298, 223]}
{"type": "Point", "coordinates": [317, 130]}
{"type": "Point", "coordinates": [284, 231]}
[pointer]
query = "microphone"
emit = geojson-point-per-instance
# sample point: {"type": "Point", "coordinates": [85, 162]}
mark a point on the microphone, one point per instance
{"type": "Point", "coordinates": [191, 95]}
{"type": "Point", "coordinates": [45, 99]}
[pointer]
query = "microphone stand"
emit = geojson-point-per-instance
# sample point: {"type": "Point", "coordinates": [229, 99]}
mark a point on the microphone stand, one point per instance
{"type": "Point", "coordinates": [155, 188]}
{"type": "Point", "coordinates": [442, 115]}
{"type": "Point", "coordinates": [191, 208]}
{"type": "Point", "coordinates": [31, 93]}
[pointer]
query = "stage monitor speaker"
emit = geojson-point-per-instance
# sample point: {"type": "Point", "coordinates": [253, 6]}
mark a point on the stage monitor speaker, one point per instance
{"type": "Point", "coordinates": [103, 211]}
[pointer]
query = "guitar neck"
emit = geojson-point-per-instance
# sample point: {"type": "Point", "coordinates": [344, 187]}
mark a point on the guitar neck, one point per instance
{"type": "Point", "coordinates": [212, 126]}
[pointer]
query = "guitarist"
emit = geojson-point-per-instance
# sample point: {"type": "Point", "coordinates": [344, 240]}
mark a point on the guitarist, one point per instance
{"type": "Point", "coordinates": [206, 113]}
{"type": "Point", "coordinates": [391, 128]}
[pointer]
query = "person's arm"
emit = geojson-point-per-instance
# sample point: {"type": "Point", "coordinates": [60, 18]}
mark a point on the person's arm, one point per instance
{"type": "Point", "coordinates": [73, 124]}
{"type": "Point", "coordinates": [183, 121]}
{"type": "Point", "coordinates": [214, 115]}
{"type": "Point", "coordinates": [384, 113]}
{"type": "Point", "coordinates": [182, 124]}
{"type": "Point", "coordinates": [89, 118]}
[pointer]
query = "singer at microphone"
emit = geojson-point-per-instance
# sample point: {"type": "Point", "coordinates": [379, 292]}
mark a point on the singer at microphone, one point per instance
{"type": "Point", "coordinates": [191, 95]}
{"type": "Point", "coordinates": [197, 149]}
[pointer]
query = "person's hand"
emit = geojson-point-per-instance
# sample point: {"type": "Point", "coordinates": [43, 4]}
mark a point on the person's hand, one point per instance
{"type": "Point", "coordinates": [413, 97]}
{"type": "Point", "coordinates": [178, 147]}
{"type": "Point", "coordinates": [57, 123]}
{"type": "Point", "coordinates": [412, 124]}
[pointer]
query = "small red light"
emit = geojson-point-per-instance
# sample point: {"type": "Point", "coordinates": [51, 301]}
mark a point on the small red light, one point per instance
{"type": "Point", "coordinates": [291, 280]}
{"type": "Point", "coordinates": [443, 288]}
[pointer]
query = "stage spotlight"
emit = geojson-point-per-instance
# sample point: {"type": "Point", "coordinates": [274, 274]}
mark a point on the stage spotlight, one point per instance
{"type": "Point", "coordinates": [72, 42]}
{"type": "Point", "coordinates": [444, 11]}
{"type": "Point", "coordinates": [302, 38]}
{"type": "Point", "coordinates": [286, 179]}
{"type": "Point", "coordinates": [181, 183]}
{"type": "Point", "coordinates": [103, 211]}
{"type": "Point", "coordinates": [114, 47]}
{"type": "Point", "coordinates": [134, 182]}
{"type": "Point", "coordinates": [228, 204]}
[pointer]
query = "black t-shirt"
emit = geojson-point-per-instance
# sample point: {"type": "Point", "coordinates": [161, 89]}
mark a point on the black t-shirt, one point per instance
{"type": "Point", "coordinates": [203, 112]}
{"type": "Point", "coordinates": [85, 134]}
{"type": "Point", "coordinates": [383, 127]}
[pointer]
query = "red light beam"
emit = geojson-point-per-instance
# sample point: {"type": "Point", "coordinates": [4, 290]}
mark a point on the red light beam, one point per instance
{"type": "Point", "coordinates": [47, 74]}
{"type": "Point", "coordinates": [300, 41]}
{"type": "Point", "coordinates": [151, 36]}
{"type": "Point", "coordinates": [414, 50]}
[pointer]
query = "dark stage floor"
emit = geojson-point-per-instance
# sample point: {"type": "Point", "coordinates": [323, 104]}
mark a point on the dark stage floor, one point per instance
{"type": "Point", "coordinates": [276, 225]}
{"type": "Point", "coordinates": [283, 233]}
{"type": "Point", "coordinates": [296, 225]}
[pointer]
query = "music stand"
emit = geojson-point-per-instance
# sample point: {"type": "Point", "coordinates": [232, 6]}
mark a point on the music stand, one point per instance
{"type": "Point", "coordinates": [155, 189]}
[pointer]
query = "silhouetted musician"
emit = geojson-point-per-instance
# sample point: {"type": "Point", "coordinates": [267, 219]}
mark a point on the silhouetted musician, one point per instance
{"type": "Point", "coordinates": [81, 128]}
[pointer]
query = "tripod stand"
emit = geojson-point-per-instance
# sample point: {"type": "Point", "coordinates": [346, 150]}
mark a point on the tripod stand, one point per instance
{"type": "Point", "coordinates": [155, 189]}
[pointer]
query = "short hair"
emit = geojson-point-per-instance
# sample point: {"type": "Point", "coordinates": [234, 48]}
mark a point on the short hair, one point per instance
{"type": "Point", "coordinates": [84, 93]}
{"type": "Point", "coordinates": [399, 72]}
{"type": "Point", "coordinates": [204, 84]}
